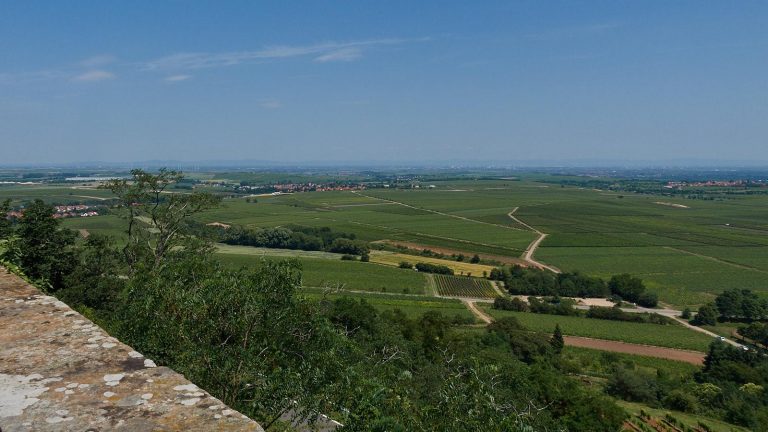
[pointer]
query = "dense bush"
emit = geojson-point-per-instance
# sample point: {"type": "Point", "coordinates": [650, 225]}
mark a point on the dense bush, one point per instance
{"type": "Point", "coordinates": [434, 268]}
{"type": "Point", "coordinates": [616, 314]}
{"type": "Point", "coordinates": [707, 315]}
{"type": "Point", "coordinates": [552, 306]}
{"type": "Point", "coordinates": [627, 287]}
{"type": "Point", "coordinates": [513, 304]}
{"type": "Point", "coordinates": [647, 299]}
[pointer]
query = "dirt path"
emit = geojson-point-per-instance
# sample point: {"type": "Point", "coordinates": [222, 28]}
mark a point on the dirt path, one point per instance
{"type": "Point", "coordinates": [717, 260]}
{"type": "Point", "coordinates": [531, 249]}
{"type": "Point", "coordinates": [431, 285]}
{"type": "Point", "coordinates": [692, 357]}
{"type": "Point", "coordinates": [437, 212]}
{"type": "Point", "coordinates": [91, 197]}
{"type": "Point", "coordinates": [84, 233]}
{"type": "Point", "coordinates": [477, 312]}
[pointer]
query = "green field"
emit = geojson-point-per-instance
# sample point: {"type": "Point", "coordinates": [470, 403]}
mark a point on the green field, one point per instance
{"type": "Point", "coordinates": [672, 336]}
{"type": "Point", "coordinates": [601, 363]}
{"type": "Point", "coordinates": [686, 255]}
{"type": "Point", "coordinates": [459, 286]}
{"type": "Point", "coordinates": [348, 275]}
{"type": "Point", "coordinates": [411, 305]}
{"type": "Point", "coordinates": [69, 193]}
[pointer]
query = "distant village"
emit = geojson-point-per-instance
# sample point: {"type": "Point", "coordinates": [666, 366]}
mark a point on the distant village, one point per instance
{"type": "Point", "coordinates": [63, 211]}
{"type": "Point", "coordinates": [715, 183]}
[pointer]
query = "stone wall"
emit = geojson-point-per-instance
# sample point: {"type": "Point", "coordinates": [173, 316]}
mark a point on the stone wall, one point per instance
{"type": "Point", "coordinates": [61, 372]}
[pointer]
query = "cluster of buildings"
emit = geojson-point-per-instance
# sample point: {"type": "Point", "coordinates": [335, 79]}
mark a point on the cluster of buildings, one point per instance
{"type": "Point", "coordinates": [301, 187]}
{"type": "Point", "coordinates": [63, 211]}
{"type": "Point", "coordinates": [80, 210]}
{"type": "Point", "coordinates": [710, 183]}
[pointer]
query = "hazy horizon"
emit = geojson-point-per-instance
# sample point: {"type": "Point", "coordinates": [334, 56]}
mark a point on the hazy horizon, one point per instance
{"type": "Point", "coordinates": [397, 83]}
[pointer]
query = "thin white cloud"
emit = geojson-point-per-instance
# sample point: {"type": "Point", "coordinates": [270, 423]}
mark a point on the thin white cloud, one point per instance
{"type": "Point", "coordinates": [329, 51]}
{"type": "Point", "coordinates": [92, 69]}
{"type": "Point", "coordinates": [94, 75]}
{"type": "Point", "coordinates": [343, 55]}
{"type": "Point", "coordinates": [271, 104]}
{"type": "Point", "coordinates": [177, 78]}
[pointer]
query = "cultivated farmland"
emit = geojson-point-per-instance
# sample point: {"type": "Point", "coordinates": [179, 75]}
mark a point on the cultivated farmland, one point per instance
{"type": "Point", "coordinates": [458, 286]}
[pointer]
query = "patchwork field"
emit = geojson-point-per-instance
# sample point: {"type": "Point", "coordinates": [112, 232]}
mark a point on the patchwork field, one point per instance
{"type": "Point", "coordinates": [687, 252]}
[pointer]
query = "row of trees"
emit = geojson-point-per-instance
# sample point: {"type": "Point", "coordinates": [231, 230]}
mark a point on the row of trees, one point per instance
{"type": "Point", "coordinates": [252, 340]}
{"type": "Point", "coordinates": [534, 281]}
{"type": "Point", "coordinates": [564, 306]}
{"type": "Point", "coordinates": [295, 237]}
{"type": "Point", "coordinates": [434, 268]}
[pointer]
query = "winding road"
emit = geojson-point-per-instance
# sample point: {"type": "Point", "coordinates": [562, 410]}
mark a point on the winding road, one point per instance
{"type": "Point", "coordinates": [531, 249]}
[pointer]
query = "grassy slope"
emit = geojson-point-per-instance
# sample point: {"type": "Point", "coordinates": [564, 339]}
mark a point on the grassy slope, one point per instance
{"type": "Point", "coordinates": [690, 420]}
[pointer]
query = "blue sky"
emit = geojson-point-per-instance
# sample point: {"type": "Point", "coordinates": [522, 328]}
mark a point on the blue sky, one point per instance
{"type": "Point", "coordinates": [384, 81]}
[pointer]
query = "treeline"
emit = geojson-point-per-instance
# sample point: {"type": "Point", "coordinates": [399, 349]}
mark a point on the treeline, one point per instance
{"type": "Point", "coordinates": [565, 306]}
{"type": "Point", "coordinates": [295, 237]}
{"type": "Point", "coordinates": [537, 282]}
{"type": "Point", "coordinates": [741, 305]}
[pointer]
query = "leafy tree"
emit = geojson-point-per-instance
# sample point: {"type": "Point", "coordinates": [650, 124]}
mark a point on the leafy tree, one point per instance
{"type": "Point", "coordinates": [686, 314]}
{"type": "Point", "coordinates": [756, 331]}
{"type": "Point", "coordinates": [647, 299]}
{"type": "Point", "coordinates": [557, 341]}
{"type": "Point", "coordinates": [42, 249]}
{"type": "Point", "coordinates": [146, 203]}
{"type": "Point", "coordinates": [741, 304]}
{"type": "Point", "coordinates": [632, 386]}
{"type": "Point", "coordinates": [95, 281]}
{"type": "Point", "coordinates": [5, 223]}
{"type": "Point", "coordinates": [475, 259]}
{"type": "Point", "coordinates": [627, 287]}
{"type": "Point", "coordinates": [707, 315]}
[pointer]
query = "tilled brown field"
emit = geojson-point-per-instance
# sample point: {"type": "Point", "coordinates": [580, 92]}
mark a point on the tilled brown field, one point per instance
{"type": "Point", "coordinates": [693, 357]}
